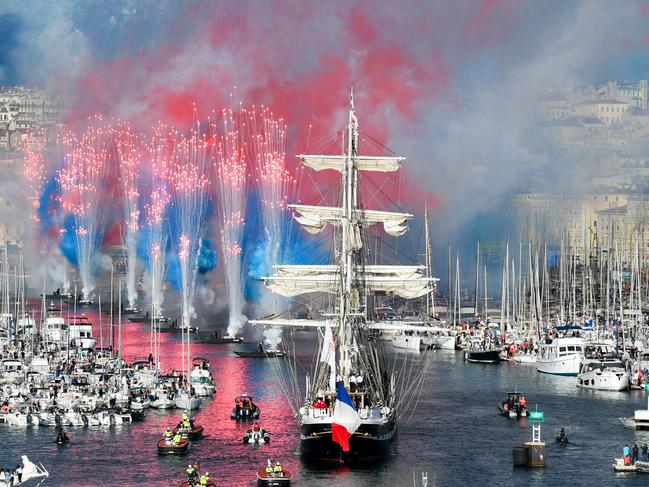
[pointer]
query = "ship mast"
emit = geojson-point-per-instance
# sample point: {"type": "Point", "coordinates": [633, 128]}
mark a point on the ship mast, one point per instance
{"type": "Point", "coordinates": [348, 257]}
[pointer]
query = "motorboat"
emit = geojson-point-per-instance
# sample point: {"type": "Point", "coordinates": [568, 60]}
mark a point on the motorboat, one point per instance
{"type": "Point", "coordinates": [476, 351]}
{"type": "Point", "coordinates": [261, 352]}
{"type": "Point", "coordinates": [515, 406]}
{"type": "Point", "coordinates": [200, 377]}
{"type": "Point", "coordinates": [165, 448]}
{"type": "Point", "coordinates": [525, 358]}
{"type": "Point", "coordinates": [80, 330]}
{"type": "Point", "coordinates": [12, 371]}
{"type": "Point", "coordinates": [244, 408]}
{"type": "Point", "coordinates": [216, 337]}
{"type": "Point", "coordinates": [55, 330]}
{"type": "Point", "coordinates": [411, 340]}
{"type": "Point", "coordinates": [639, 420]}
{"type": "Point", "coordinates": [444, 340]}
{"type": "Point", "coordinates": [266, 479]}
{"type": "Point", "coordinates": [256, 437]}
{"type": "Point", "coordinates": [192, 431]}
{"type": "Point", "coordinates": [603, 375]}
{"type": "Point", "coordinates": [163, 398]}
{"type": "Point", "coordinates": [187, 402]}
{"type": "Point", "coordinates": [131, 310]}
{"type": "Point", "coordinates": [560, 356]}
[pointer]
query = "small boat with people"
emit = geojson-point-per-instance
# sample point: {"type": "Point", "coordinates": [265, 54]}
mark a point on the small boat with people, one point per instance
{"type": "Point", "coordinates": [244, 408]}
{"type": "Point", "coordinates": [188, 429]}
{"type": "Point", "coordinates": [26, 473]}
{"type": "Point", "coordinates": [172, 444]}
{"type": "Point", "coordinates": [515, 406]}
{"type": "Point", "coordinates": [274, 475]}
{"type": "Point", "coordinates": [261, 352]}
{"type": "Point", "coordinates": [256, 435]}
{"type": "Point", "coordinates": [479, 351]}
{"type": "Point", "coordinates": [562, 438]}
{"type": "Point", "coordinates": [215, 337]}
{"type": "Point", "coordinates": [195, 478]}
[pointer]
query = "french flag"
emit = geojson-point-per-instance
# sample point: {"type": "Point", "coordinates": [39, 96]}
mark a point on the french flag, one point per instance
{"type": "Point", "coordinates": [345, 418]}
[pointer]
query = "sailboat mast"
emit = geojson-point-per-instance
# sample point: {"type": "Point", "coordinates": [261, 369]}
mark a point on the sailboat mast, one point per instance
{"type": "Point", "coordinates": [349, 200]}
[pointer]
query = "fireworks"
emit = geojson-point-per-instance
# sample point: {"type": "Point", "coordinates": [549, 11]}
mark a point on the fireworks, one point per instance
{"type": "Point", "coordinates": [230, 172]}
{"type": "Point", "coordinates": [188, 181]}
{"type": "Point", "coordinates": [159, 184]}
{"type": "Point", "coordinates": [129, 147]}
{"type": "Point", "coordinates": [81, 181]}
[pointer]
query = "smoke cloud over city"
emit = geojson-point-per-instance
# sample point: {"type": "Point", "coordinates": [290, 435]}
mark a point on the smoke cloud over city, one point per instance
{"type": "Point", "coordinates": [453, 86]}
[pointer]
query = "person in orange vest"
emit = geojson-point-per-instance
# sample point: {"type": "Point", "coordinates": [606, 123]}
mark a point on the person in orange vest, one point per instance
{"type": "Point", "coordinates": [523, 402]}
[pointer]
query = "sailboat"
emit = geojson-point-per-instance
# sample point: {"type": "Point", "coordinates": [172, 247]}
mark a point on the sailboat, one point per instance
{"type": "Point", "coordinates": [355, 356]}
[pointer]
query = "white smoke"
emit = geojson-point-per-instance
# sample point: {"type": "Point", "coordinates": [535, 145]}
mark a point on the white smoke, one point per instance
{"type": "Point", "coordinates": [235, 323]}
{"type": "Point", "coordinates": [272, 338]}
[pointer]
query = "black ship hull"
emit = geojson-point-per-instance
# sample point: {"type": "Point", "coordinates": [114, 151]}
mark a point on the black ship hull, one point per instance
{"type": "Point", "coordinates": [369, 443]}
{"type": "Point", "coordinates": [243, 354]}
{"type": "Point", "coordinates": [484, 356]}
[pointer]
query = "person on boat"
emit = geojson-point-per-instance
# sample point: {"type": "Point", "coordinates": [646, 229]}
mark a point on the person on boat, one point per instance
{"type": "Point", "coordinates": [522, 402]}
{"type": "Point", "coordinates": [192, 474]}
{"type": "Point", "coordinates": [168, 436]}
{"type": "Point", "coordinates": [205, 479]}
{"type": "Point", "coordinates": [19, 471]}
{"type": "Point", "coordinates": [278, 471]}
{"type": "Point", "coordinates": [634, 454]}
{"type": "Point", "coordinates": [626, 453]}
{"type": "Point", "coordinates": [186, 424]}
{"type": "Point", "coordinates": [269, 469]}
{"type": "Point", "coordinates": [562, 438]}
{"type": "Point", "coordinates": [255, 427]}
{"type": "Point", "coordinates": [62, 437]}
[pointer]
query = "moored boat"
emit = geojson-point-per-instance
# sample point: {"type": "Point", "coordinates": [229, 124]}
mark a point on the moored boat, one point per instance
{"type": "Point", "coordinates": [560, 356]}
{"type": "Point", "coordinates": [603, 375]}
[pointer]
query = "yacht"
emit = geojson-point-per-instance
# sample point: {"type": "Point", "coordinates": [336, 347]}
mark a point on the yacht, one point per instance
{"type": "Point", "coordinates": [560, 356]}
{"type": "Point", "coordinates": [603, 375]}
{"type": "Point", "coordinates": [601, 370]}
{"type": "Point", "coordinates": [55, 330]}
{"type": "Point", "coordinates": [80, 330]}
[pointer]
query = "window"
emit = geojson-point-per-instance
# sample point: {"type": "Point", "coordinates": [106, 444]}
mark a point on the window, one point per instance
{"type": "Point", "coordinates": [562, 349]}
{"type": "Point", "coordinates": [571, 348]}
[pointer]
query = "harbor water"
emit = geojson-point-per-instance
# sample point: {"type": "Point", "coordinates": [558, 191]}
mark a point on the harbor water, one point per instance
{"type": "Point", "coordinates": [454, 432]}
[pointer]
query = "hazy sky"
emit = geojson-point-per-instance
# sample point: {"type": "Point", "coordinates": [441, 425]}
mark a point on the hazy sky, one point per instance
{"type": "Point", "coordinates": [449, 84]}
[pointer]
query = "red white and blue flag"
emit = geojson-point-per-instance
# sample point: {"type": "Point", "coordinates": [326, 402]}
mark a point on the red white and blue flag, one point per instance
{"type": "Point", "coordinates": [345, 419]}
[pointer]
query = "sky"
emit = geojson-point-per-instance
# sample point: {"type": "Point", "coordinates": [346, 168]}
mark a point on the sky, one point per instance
{"type": "Point", "coordinates": [449, 85]}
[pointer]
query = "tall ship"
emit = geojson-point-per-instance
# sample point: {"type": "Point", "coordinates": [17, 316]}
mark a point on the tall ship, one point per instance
{"type": "Point", "coordinates": [350, 350]}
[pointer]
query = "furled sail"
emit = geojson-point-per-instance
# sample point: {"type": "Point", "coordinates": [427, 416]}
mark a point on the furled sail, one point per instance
{"type": "Point", "coordinates": [315, 218]}
{"type": "Point", "coordinates": [404, 281]}
{"type": "Point", "coordinates": [362, 163]}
